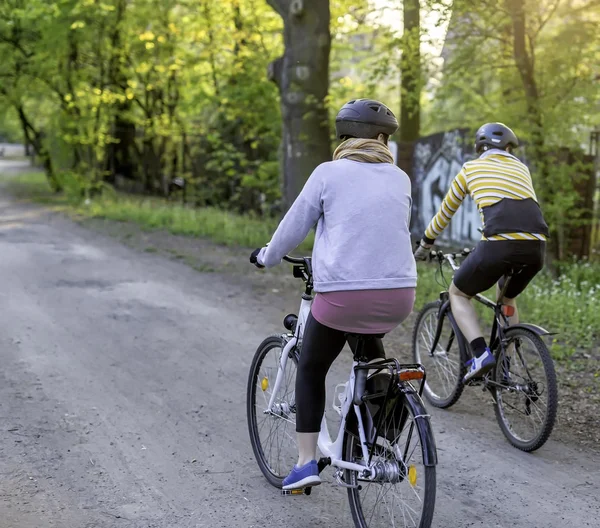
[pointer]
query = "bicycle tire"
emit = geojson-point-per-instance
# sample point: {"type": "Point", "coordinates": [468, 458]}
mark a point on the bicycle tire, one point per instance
{"type": "Point", "coordinates": [274, 478]}
{"type": "Point", "coordinates": [351, 442]}
{"type": "Point", "coordinates": [552, 390]}
{"type": "Point", "coordinates": [457, 390]}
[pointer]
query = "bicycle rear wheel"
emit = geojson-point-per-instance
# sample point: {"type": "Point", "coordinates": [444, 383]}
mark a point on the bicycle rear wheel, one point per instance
{"type": "Point", "coordinates": [403, 493]}
{"type": "Point", "coordinates": [272, 431]}
{"type": "Point", "coordinates": [525, 391]}
{"type": "Point", "coordinates": [445, 367]}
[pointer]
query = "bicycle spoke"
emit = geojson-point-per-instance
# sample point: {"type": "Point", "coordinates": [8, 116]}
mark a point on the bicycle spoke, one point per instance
{"type": "Point", "coordinates": [443, 364]}
{"type": "Point", "coordinates": [523, 405]}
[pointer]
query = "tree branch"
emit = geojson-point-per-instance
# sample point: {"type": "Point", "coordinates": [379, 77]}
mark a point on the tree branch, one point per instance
{"type": "Point", "coordinates": [544, 21]}
{"type": "Point", "coordinates": [17, 45]}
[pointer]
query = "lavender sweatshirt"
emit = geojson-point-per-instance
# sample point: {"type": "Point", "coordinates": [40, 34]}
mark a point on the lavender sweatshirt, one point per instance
{"type": "Point", "coordinates": [362, 240]}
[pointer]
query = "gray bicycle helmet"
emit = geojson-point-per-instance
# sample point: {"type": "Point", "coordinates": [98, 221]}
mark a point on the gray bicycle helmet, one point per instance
{"type": "Point", "coordinates": [494, 135]}
{"type": "Point", "coordinates": [365, 118]}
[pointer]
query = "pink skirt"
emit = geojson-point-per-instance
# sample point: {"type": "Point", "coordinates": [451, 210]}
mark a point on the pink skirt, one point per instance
{"type": "Point", "coordinates": [364, 311]}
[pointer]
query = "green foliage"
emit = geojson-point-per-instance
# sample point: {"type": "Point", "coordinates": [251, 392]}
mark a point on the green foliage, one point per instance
{"type": "Point", "coordinates": [564, 211]}
{"type": "Point", "coordinates": [136, 89]}
{"type": "Point", "coordinates": [9, 126]}
{"type": "Point", "coordinates": [481, 81]}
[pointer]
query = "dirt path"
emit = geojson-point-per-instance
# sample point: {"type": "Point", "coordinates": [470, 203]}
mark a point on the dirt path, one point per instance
{"type": "Point", "coordinates": [122, 393]}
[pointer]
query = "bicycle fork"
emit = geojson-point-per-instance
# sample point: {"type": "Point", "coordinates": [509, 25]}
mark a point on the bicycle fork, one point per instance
{"type": "Point", "coordinates": [443, 312]}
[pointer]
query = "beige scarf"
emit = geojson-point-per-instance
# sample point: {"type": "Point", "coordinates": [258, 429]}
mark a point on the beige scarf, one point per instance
{"type": "Point", "coordinates": [365, 150]}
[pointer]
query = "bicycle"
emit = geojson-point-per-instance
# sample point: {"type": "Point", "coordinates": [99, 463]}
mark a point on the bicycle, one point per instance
{"type": "Point", "coordinates": [515, 383]}
{"type": "Point", "coordinates": [384, 431]}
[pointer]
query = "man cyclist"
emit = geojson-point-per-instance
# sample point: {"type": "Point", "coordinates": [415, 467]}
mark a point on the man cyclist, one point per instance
{"type": "Point", "coordinates": [514, 233]}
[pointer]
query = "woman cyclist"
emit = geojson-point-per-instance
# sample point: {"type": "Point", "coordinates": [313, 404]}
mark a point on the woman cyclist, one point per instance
{"type": "Point", "coordinates": [514, 233]}
{"type": "Point", "coordinates": [364, 269]}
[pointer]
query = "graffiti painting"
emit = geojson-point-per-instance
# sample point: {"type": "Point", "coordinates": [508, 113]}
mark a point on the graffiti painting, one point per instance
{"type": "Point", "coordinates": [437, 159]}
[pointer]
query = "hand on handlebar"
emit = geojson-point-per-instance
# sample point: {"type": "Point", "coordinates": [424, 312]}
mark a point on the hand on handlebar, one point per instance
{"type": "Point", "coordinates": [254, 258]}
{"type": "Point", "coordinates": [423, 251]}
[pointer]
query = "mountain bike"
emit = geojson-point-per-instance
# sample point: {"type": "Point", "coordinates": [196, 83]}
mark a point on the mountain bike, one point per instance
{"type": "Point", "coordinates": [384, 452]}
{"type": "Point", "coordinates": [523, 383]}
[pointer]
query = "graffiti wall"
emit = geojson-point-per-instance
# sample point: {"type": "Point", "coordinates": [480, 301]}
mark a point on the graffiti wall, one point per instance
{"type": "Point", "coordinates": [437, 159]}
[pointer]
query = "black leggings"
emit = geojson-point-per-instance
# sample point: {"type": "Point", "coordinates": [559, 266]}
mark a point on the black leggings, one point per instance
{"type": "Point", "coordinates": [320, 346]}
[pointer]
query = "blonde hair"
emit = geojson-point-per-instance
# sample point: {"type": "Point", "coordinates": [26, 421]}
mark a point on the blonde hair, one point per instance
{"type": "Point", "coordinates": [365, 150]}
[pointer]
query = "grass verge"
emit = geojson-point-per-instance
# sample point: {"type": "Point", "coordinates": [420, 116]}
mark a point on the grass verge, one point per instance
{"type": "Point", "coordinates": [219, 225]}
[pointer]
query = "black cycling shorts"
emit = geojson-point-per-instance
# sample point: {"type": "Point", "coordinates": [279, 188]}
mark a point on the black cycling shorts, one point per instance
{"type": "Point", "coordinates": [491, 260]}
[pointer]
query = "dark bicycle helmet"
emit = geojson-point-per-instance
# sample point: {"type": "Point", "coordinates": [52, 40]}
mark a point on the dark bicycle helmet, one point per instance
{"type": "Point", "coordinates": [494, 135]}
{"type": "Point", "coordinates": [365, 118]}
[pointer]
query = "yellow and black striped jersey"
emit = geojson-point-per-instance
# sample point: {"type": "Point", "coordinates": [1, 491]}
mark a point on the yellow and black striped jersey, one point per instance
{"type": "Point", "coordinates": [496, 175]}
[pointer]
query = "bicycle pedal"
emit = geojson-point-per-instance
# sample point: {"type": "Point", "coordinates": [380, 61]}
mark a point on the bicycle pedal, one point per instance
{"type": "Point", "coordinates": [300, 491]}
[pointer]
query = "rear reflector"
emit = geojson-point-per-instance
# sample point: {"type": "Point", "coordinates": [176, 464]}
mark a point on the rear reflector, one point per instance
{"type": "Point", "coordinates": [407, 375]}
{"type": "Point", "coordinates": [508, 311]}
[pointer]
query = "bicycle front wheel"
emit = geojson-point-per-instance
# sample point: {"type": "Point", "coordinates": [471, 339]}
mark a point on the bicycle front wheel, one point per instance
{"type": "Point", "coordinates": [444, 366]}
{"type": "Point", "coordinates": [272, 430]}
{"type": "Point", "coordinates": [525, 390]}
{"type": "Point", "coordinates": [402, 494]}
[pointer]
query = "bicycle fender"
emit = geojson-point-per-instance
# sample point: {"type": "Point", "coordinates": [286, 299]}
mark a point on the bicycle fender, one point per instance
{"type": "Point", "coordinates": [423, 423]}
{"type": "Point", "coordinates": [537, 330]}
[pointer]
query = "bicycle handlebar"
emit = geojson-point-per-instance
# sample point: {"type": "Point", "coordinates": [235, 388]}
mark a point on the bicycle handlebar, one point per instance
{"type": "Point", "coordinates": [450, 257]}
{"type": "Point", "coordinates": [293, 260]}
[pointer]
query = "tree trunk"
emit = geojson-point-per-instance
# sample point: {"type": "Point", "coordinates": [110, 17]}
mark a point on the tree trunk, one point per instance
{"type": "Point", "coordinates": [121, 155]}
{"type": "Point", "coordinates": [410, 69]}
{"type": "Point", "coordinates": [524, 61]}
{"type": "Point", "coordinates": [35, 138]}
{"type": "Point", "coordinates": [302, 75]}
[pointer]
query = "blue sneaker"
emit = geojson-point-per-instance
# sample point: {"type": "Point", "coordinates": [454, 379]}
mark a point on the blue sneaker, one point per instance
{"type": "Point", "coordinates": [302, 477]}
{"type": "Point", "coordinates": [480, 366]}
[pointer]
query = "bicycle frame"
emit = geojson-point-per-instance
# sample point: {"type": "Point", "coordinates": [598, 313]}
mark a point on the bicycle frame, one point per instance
{"type": "Point", "coordinates": [329, 449]}
{"type": "Point", "coordinates": [500, 320]}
